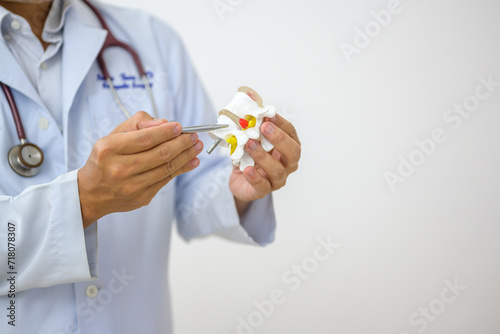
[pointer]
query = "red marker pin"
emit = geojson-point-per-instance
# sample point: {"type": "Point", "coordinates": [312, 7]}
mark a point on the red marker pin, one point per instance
{"type": "Point", "coordinates": [243, 123]}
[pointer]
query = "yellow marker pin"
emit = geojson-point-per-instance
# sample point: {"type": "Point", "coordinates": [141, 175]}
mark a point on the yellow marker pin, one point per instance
{"type": "Point", "coordinates": [233, 142]}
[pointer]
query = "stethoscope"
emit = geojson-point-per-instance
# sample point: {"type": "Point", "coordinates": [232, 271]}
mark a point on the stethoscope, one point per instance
{"type": "Point", "coordinates": [26, 159]}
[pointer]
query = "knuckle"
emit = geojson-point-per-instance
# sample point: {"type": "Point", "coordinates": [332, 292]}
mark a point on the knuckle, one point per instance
{"type": "Point", "coordinates": [102, 148]}
{"type": "Point", "coordinates": [145, 140]}
{"type": "Point", "coordinates": [116, 171]}
{"type": "Point", "coordinates": [279, 135]}
{"type": "Point", "coordinates": [278, 185]}
{"type": "Point", "coordinates": [192, 153]}
{"type": "Point", "coordinates": [279, 174]}
{"type": "Point", "coordinates": [141, 115]}
{"type": "Point", "coordinates": [165, 153]}
{"type": "Point", "coordinates": [127, 191]}
{"type": "Point", "coordinates": [259, 153]}
{"type": "Point", "coordinates": [169, 168]}
{"type": "Point", "coordinates": [297, 153]}
{"type": "Point", "coordinates": [293, 132]}
{"type": "Point", "coordinates": [292, 169]}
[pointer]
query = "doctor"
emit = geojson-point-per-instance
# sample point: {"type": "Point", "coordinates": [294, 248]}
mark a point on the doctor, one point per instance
{"type": "Point", "coordinates": [84, 244]}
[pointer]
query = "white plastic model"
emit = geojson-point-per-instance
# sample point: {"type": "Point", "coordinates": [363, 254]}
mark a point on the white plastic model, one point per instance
{"type": "Point", "coordinates": [245, 115]}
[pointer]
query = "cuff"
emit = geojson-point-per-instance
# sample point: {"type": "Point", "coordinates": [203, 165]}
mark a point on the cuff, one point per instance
{"type": "Point", "coordinates": [91, 246]}
{"type": "Point", "coordinates": [259, 221]}
{"type": "Point", "coordinates": [76, 249]}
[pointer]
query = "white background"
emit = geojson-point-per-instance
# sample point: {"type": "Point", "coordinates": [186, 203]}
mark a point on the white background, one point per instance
{"type": "Point", "coordinates": [397, 248]}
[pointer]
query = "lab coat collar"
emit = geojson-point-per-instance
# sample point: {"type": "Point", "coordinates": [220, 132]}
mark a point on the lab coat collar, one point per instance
{"type": "Point", "coordinates": [83, 39]}
{"type": "Point", "coordinates": [56, 17]}
{"type": "Point", "coordinates": [12, 74]}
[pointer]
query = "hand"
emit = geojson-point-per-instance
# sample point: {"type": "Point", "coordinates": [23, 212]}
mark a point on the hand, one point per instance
{"type": "Point", "coordinates": [128, 167]}
{"type": "Point", "coordinates": [272, 168]}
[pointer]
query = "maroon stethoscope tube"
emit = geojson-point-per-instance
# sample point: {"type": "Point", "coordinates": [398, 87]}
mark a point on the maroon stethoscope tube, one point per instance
{"type": "Point", "coordinates": [111, 41]}
{"type": "Point", "coordinates": [15, 113]}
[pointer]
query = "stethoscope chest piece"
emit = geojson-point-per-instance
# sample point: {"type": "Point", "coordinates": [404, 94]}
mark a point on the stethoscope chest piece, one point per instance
{"type": "Point", "coordinates": [26, 159]}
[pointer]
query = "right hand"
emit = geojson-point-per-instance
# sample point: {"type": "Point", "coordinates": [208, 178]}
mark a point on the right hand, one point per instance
{"type": "Point", "coordinates": [128, 167]}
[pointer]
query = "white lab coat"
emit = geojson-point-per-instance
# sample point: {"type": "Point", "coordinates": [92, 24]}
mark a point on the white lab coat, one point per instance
{"type": "Point", "coordinates": [55, 259]}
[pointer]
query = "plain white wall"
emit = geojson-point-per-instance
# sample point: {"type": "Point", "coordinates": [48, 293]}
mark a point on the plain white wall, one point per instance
{"type": "Point", "coordinates": [399, 251]}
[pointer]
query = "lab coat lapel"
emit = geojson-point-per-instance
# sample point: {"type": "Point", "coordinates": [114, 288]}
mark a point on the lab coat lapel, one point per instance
{"type": "Point", "coordinates": [82, 43]}
{"type": "Point", "coordinates": [13, 75]}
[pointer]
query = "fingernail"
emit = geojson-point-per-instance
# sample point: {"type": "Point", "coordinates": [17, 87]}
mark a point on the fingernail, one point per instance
{"type": "Point", "coordinates": [194, 137]}
{"type": "Point", "coordinates": [195, 162]}
{"type": "Point", "coordinates": [273, 119]}
{"type": "Point", "coordinates": [253, 145]}
{"type": "Point", "coordinates": [177, 129]}
{"type": "Point", "coordinates": [269, 129]}
{"type": "Point", "coordinates": [198, 146]}
{"type": "Point", "coordinates": [251, 171]}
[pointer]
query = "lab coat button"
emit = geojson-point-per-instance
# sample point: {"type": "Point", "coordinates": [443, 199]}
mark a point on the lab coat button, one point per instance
{"type": "Point", "coordinates": [44, 66]}
{"type": "Point", "coordinates": [15, 25]}
{"type": "Point", "coordinates": [91, 291]}
{"type": "Point", "coordinates": [43, 123]}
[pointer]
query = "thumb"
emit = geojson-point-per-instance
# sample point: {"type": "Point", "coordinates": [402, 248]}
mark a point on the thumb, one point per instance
{"type": "Point", "coordinates": [140, 120]}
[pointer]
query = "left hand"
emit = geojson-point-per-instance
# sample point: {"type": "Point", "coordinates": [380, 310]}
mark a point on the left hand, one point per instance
{"type": "Point", "coordinates": [272, 168]}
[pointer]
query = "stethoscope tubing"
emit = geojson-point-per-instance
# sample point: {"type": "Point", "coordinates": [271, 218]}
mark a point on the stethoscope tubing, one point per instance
{"type": "Point", "coordinates": [15, 113]}
{"type": "Point", "coordinates": [112, 41]}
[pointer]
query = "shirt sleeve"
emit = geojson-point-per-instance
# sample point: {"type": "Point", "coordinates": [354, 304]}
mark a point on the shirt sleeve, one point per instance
{"type": "Point", "coordinates": [205, 205]}
{"type": "Point", "coordinates": [257, 225]}
{"type": "Point", "coordinates": [43, 237]}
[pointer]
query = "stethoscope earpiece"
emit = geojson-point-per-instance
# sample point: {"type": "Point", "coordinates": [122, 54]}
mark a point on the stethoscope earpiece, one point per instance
{"type": "Point", "coordinates": [25, 159]}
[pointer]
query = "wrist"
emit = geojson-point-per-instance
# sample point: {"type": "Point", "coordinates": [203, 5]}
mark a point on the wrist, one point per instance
{"type": "Point", "coordinates": [87, 209]}
{"type": "Point", "coordinates": [241, 206]}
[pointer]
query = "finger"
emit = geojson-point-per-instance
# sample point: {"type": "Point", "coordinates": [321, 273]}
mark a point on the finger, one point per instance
{"type": "Point", "coordinates": [276, 155]}
{"type": "Point", "coordinates": [139, 120]}
{"type": "Point", "coordinates": [288, 148]}
{"type": "Point", "coordinates": [151, 173]}
{"type": "Point", "coordinates": [275, 171]}
{"type": "Point", "coordinates": [145, 139]}
{"type": "Point", "coordinates": [161, 154]}
{"type": "Point", "coordinates": [155, 187]}
{"type": "Point", "coordinates": [151, 123]}
{"type": "Point", "coordinates": [284, 125]}
{"type": "Point", "coordinates": [261, 185]}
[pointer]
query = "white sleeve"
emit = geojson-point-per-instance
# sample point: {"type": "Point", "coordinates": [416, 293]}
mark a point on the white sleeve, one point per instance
{"type": "Point", "coordinates": [256, 226]}
{"type": "Point", "coordinates": [42, 234]}
{"type": "Point", "coordinates": [205, 205]}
